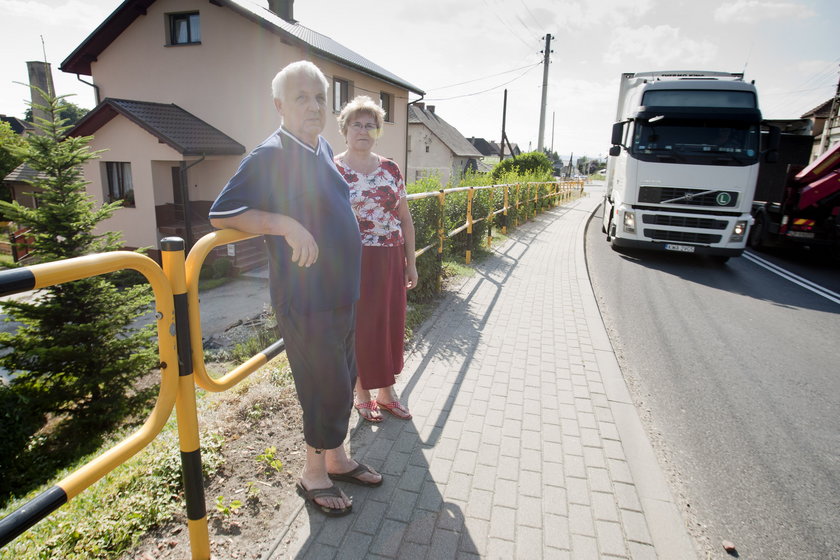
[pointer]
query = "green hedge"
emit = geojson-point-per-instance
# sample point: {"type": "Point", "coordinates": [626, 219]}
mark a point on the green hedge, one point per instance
{"type": "Point", "coordinates": [426, 214]}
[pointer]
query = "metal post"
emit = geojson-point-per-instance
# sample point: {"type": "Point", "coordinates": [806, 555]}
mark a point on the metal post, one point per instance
{"type": "Point", "coordinates": [172, 256]}
{"type": "Point", "coordinates": [546, 62]}
{"type": "Point", "coordinates": [504, 227]}
{"type": "Point", "coordinates": [502, 139]}
{"type": "Point", "coordinates": [469, 223]}
{"type": "Point", "coordinates": [441, 236]}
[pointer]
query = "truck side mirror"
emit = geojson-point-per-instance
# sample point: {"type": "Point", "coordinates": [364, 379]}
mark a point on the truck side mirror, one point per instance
{"type": "Point", "coordinates": [615, 150]}
{"type": "Point", "coordinates": [617, 135]}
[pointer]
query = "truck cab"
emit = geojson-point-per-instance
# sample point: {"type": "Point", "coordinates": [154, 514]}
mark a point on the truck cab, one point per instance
{"type": "Point", "coordinates": [684, 163]}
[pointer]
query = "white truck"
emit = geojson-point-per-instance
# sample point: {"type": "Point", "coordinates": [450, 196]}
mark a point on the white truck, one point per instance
{"type": "Point", "coordinates": [684, 162]}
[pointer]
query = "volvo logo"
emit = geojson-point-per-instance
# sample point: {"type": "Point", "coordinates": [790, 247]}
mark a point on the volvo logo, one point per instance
{"type": "Point", "coordinates": [723, 198]}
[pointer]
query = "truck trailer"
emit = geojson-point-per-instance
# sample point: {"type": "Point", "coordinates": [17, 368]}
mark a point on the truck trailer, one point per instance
{"type": "Point", "coordinates": [797, 204]}
{"type": "Point", "coordinates": [684, 162]}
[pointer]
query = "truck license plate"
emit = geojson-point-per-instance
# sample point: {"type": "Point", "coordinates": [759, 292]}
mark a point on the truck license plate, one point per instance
{"type": "Point", "coordinates": [680, 248]}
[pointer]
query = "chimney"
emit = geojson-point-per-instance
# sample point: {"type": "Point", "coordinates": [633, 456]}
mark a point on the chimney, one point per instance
{"type": "Point", "coordinates": [421, 106]}
{"type": "Point", "coordinates": [432, 109]}
{"type": "Point", "coordinates": [40, 75]}
{"type": "Point", "coordinates": [283, 8]}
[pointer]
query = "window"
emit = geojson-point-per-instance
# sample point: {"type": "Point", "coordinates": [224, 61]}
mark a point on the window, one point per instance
{"type": "Point", "coordinates": [118, 183]}
{"type": "Point", "coordinates": [184, 29]}
{"type": "Point", "coordinates": [341, 93]}
{"type": "Point", "coordinates": [386, 100]}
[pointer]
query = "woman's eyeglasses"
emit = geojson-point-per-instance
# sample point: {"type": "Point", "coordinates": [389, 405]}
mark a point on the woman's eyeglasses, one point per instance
{"type": "Point", "coordinates": [364, 126]}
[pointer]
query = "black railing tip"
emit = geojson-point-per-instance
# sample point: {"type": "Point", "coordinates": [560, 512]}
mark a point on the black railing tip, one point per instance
{"type": "Point", "coordinates": [16, 280]}
{"type": "Point", "coordinates": [172, 244]}
{"type": "Point", "coordinates": [17, 522]}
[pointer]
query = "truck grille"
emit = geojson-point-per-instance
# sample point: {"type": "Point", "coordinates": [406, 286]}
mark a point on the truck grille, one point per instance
{"type": "Point", "coordinates": [682, 236]}
{"type": "Point", "coordinates": [683, 221]}
{"type": "Point", "coordinates": [689, 197]}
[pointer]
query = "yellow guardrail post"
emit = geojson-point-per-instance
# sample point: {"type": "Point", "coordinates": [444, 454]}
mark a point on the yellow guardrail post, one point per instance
{"type": "Point", "coordinates": [172, 256]}
{"type": "Point", "coordinates": [490, 214]}
{"type": "Point", "coordinates": [470, 194]}
{"type": "Point", "coordinates": [516, 206]}
{"type": "Point", "coordinates": [441, 237]}
{"type": "Point", "coordinates": [504, 225]}
{"type": "Point", "coordinates": [536, 199]}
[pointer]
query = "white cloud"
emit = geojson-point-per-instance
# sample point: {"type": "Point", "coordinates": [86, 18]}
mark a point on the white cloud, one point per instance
{"type": "Point", "coordinates": [750, 11]}
{"type": "Point", "coordinates": [600, 14]}
{"type": "Point", "coordinates": [660, 45]}
{"type": "Point", "coordinates": [74, 13]}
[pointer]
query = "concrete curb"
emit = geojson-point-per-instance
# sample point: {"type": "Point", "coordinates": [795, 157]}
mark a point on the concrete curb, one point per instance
{"type": "Point", "coordinates": [665, 522]}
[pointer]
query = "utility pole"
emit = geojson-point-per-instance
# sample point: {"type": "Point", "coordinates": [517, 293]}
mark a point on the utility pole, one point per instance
{"type": "Point", "coordinates": [546, 60]}
{"type": "Point", "coordinates": [552, 132]}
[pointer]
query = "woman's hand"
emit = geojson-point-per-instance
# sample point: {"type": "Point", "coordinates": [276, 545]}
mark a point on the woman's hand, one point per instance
{"type": "Point", "coordinates": [410, 276]}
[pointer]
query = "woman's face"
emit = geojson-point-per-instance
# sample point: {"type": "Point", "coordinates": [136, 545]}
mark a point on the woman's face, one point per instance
{"type": "Point", "coordinates": [361, 132]}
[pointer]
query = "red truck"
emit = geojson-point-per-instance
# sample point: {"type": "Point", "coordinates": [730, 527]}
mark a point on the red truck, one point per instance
{"type": "Point", "coordinates": [796, 203]}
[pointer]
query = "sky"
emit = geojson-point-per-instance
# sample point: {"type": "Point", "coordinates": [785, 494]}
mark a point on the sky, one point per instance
{"type": "Point", "coordinates": [464, 54]}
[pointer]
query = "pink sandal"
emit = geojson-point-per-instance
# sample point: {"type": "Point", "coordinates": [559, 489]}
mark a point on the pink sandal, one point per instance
{"type": "Point", "coordinates": [397, 409]}
{"type": "Point", "coordinates": [368, 409]}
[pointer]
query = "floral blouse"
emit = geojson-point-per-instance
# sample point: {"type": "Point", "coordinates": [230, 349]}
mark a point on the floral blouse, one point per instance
{"type": "Point", "coordinates": [375, 198]}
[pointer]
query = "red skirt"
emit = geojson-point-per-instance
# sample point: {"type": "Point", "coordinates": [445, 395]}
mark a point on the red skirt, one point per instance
{"type": "Point", "coordinates": [380, 316]}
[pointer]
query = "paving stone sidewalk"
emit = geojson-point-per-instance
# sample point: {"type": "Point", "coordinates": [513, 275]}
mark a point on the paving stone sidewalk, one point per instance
{"type": "Point", "coordinates": [524, 442]}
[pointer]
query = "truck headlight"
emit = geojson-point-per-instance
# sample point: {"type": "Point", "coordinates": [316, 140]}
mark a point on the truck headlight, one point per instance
{"type": "Point", "coordinates": [739, 231]}
{"type": "Point", "coordinates": [630, 222]}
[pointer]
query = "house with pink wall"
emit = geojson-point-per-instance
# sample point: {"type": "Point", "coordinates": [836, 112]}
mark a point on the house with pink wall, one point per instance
{"type": "Point", "coordinates": [183, 93]}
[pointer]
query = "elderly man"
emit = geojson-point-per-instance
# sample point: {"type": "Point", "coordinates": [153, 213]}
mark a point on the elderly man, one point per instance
{"type": "Point", "coordinates": [288, 189]}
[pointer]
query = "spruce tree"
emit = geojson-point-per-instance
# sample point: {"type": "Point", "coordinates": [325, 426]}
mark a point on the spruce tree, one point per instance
{"type": "Point", "coordinates": [76, 350]}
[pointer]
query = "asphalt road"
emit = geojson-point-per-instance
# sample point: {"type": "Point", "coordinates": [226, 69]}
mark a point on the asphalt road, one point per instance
{"type": "Point", "coordinates": [734, 368]}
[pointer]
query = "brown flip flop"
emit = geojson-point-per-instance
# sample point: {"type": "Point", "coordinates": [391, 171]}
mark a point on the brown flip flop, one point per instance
{"type": "Point", "coordinates": [331, 492]}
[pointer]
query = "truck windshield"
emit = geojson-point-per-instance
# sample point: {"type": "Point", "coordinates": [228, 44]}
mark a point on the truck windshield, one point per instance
{"type": "Point", "coordinates": [695, 141]}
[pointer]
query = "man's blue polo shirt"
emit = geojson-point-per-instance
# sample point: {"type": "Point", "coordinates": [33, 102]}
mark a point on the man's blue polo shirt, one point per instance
{"type": "Point", "coordinates": [283, 175]}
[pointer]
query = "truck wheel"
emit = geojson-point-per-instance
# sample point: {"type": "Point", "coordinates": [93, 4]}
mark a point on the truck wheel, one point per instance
{"type": "Point", "coordinates": [756, 239]}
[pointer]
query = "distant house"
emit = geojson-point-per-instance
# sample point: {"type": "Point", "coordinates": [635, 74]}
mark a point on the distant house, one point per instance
{"type": "Point", "coordinates": [820, 116]}
{"type": "Point", "coordinates": [183, 92]}
{"type": "Point", "coordinates": [18, 126]}
{"type": "Point", "coordinates": [485, 147]}
{"type": "Point", "coordinates": [436, 148]}
{"type": "Point", "coordinates": [509, 150]}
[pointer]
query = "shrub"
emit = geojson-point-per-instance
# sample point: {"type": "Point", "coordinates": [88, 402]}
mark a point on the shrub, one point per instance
{"type": "Point", "coordinates": [531, 162]}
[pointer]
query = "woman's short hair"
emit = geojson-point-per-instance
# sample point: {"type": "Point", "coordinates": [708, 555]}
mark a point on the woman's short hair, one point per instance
{"type": "Point", "coordinates": [301, 68]}
{"type": "Point", "coordinates": [360, 105]}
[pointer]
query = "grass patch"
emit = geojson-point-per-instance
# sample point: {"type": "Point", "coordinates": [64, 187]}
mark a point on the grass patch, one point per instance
{"type": "Point", "coordinates": [6, 261]}
{"type": "Point", "coordinates": [210, 283]}
{"type": "Point", "coordinates": [109, 517]}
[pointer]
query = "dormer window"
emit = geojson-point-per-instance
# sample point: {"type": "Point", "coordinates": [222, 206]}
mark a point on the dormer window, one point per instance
{"type": "Point", "coordinates": [184, 29]}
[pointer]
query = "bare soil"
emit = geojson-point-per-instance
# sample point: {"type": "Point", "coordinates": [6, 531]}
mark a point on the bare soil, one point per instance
{"type": "Point", "coordinates": [259, 414]}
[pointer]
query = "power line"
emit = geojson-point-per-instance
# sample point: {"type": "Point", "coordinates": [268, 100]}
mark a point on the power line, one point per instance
{"type": "Point", "coordinates": [496, 13]}
{"type": "Point", "coordinates": [488, 89]}
{"type": "Point", "coordinates": [536, 21]}
{"type": "Point", "coordinates": [483, 78]}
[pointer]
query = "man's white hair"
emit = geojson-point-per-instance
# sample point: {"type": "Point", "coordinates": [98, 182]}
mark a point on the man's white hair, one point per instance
{"type": "Point", "coordinates": [301, 68]}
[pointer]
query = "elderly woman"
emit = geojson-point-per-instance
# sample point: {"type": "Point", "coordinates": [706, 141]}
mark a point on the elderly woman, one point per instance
{"type": "Point", "coordinates": [378, 198]}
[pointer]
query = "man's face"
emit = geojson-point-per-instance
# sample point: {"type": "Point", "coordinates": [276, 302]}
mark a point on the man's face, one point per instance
{"type": "Point", "coordinates": [304, 108]}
